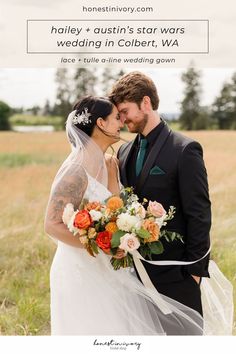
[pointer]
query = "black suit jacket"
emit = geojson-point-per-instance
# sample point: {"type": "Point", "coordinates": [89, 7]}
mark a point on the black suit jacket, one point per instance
{"type": "Point", "coordinates": [183, 185]}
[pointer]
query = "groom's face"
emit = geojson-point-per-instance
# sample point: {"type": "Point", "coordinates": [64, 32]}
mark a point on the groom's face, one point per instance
{"type": "Point", "coordinates": [133, 116]}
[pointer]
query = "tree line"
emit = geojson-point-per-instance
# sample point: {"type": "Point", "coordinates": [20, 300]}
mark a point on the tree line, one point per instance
{"type": "Point", "coordinates": [72, 84]}
{"type": "Point", "coordinates": [220, 115]}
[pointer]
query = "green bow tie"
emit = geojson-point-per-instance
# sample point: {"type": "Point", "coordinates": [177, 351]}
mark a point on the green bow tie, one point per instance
{"type": "Point", "coordinates": [141, 155]}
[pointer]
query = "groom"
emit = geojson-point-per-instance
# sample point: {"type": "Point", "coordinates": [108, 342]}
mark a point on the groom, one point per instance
{"type": "Point", "coordinates": [168, 167]}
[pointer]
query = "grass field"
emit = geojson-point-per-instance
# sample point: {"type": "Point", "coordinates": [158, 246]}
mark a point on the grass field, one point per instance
{"type": "Point", "coordinates": [28, 163]}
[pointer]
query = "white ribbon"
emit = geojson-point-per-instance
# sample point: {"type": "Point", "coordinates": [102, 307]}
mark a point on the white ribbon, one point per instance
{"type": "Point", "coordinates": [156, 296]}
{"type": "Point", "coordinates": [163, 305]}
{"type": "Point", "coordinates": [138, 255]}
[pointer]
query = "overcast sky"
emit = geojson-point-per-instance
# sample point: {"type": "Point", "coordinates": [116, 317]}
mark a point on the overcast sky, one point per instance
{"type": "Point", "coordinates": [29, 87]}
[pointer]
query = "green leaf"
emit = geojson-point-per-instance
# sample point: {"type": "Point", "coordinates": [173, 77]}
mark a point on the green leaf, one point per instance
{"type": "Point", "coordinates": [125, 194]}
{"type": "Point", "coordinates": [89, 249]}
{"type": "Point", "coordinates": [145, 251]}
{"type": "Point", "coordinates": [180, 237]}
{"type": "Point", "coordinates": [94, 247]}
{"type": "Point", "coordinates": [114, 251]}
{"type": "Point", "coordinates": [171, 236]}
{"type": "Point", "coordinates": [166, 238]}
{"type": "Point", "coordinates": [125, 262]}
{"type": "Point", "coordinates": [143, 233]}
{"type": "Point", "coordinates": [156, 247]}
{"type": "Point", "coordinates": [115, 241]}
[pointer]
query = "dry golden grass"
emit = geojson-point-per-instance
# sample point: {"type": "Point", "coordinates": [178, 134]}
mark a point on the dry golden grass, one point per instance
{"type": "Point", "coordinates": [34, 143]}
{"type": "Point", "coordinates": [26, 252]}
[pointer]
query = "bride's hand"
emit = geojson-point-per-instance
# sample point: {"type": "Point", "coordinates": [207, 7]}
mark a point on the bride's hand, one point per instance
{"type": "Point", "coordinates": [120, 254]}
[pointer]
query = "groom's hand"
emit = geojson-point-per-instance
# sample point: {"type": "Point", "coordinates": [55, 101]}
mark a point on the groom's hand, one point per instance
{"type": "Point", "coordinates": [196, 278]}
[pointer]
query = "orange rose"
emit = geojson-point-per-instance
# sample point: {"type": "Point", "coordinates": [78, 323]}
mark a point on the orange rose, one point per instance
{"type": "Point", "coordinates": [93, 206]}
{"type": "Point", "coordinates": [82, 220]}
{"type": "Point", "coordinates": [114, 203]}
{"type": "Point", "coordinates": [111, 227]}
{"type": "Point", "coordinates": [154, 230]}
{"type": "Point", "coordinates": [103, 240]}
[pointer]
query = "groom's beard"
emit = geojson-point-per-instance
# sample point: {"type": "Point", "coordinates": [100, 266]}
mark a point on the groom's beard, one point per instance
{"type": "Point", "coordinates": [137, 127]}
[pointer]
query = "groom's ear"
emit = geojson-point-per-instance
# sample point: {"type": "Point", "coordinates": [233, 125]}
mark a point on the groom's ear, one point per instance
{"type": "Point", "coordinates": [146, 104]}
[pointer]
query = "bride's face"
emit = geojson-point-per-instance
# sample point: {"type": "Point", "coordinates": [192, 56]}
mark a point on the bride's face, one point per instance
{"type": "Point", "coordinates": [112, 125]}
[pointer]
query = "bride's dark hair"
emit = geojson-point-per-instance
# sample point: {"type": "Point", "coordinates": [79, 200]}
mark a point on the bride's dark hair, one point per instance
{"type": "Point", "coordinates": [98, 107]}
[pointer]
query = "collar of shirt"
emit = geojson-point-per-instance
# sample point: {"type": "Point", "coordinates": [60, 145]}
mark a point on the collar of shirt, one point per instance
{"type": "Point", "coordinates": [153, 135]}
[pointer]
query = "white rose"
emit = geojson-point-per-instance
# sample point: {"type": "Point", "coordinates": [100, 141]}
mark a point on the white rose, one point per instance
{"type": "Point", "coordinates": [139, 209]}
{"type": "Point", "coordinates": [71, 224]}
{"type": "Point", "coordinates": [127, 222]}
{"type": "Point", "coordinates": [83, 240]}
{"type": "Point", "coordinates": [95, 215]}
{"type": "Point", "coordinates": [129, 242]}
{"type": "Point", "coordinates": [160, 221]}
{"type": "Point", "coordinates": [67, 213]}
{"type": "Point", "coordinates": [133, 198]}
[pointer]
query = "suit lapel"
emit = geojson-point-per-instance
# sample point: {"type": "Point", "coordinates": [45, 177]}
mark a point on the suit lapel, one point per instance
{"type": "Point", "coordinates": [152, 157]}
{"type": "Point", "coordinates": [123, 159]}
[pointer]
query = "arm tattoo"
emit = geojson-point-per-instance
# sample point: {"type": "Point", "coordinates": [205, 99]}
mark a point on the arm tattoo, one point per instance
{"type": "Point", "coordinates": [70, 190]}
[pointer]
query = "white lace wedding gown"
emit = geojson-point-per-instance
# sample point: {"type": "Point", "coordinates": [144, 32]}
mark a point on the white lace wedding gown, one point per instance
{"type": "Point", "coordinates": [89, 298]}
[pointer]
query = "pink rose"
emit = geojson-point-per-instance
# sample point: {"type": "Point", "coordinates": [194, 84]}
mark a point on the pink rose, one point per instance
{"type": "Point", "coordinates": [129, 242]}
{"type": "Point", "coordinates": [156, 209]}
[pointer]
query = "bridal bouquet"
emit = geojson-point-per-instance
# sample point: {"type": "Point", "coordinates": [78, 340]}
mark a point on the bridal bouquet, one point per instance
{"type": "Point", "coordinates": [121, 222]}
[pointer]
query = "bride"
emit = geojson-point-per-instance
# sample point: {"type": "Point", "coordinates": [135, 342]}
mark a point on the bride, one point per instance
{"type": "Point", "coordinates": [88, 297]}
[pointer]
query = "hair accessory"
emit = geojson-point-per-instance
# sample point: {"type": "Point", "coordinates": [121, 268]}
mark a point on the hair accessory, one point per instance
{"type": "Point", "coordinates": [82, 118]}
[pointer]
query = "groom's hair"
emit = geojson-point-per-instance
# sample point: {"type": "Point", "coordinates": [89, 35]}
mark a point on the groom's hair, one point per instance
{"type": "Point", "coordinates": [132, 87]}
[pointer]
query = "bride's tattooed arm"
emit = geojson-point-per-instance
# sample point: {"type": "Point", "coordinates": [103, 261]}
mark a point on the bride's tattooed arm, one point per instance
{"type": "Point", "coordinates": [69, 190]}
